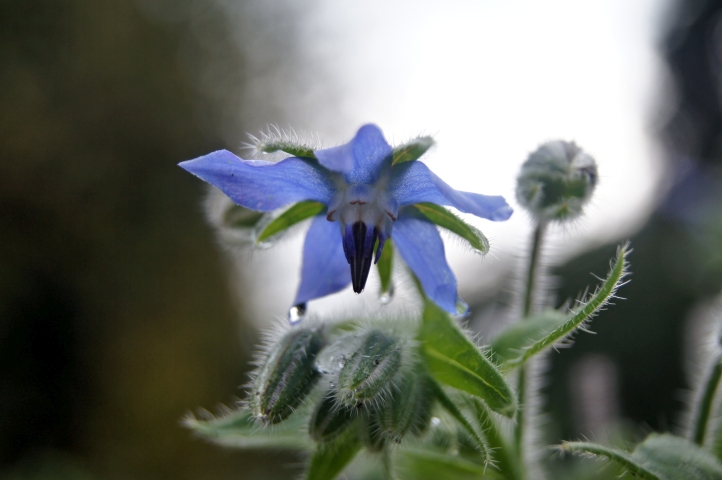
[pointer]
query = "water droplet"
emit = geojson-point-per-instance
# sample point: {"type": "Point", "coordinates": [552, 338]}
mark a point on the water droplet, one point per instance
{"type": "Point", "coordinates": [386, 297]}
{"type": "Point", "coordinates": [297, 313]}
{"type": "Point", "coordinates": [462, 308]}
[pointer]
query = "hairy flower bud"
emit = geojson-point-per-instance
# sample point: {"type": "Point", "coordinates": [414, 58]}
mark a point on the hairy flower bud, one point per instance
{"type": "Point", "coordinates": [330, 419]}
{"type": "Point", "coordinates": [556, 181]}
{"type": "Point", "coordinates": [366, 375]}
{"type": "Point", "coordinates": [409, 410]}
{"type": "Point", "coordinates": [287, 375]}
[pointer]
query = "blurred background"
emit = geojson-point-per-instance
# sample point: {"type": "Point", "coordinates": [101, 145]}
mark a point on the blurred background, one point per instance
{"type": "Point", "coordinates": [120, 312]}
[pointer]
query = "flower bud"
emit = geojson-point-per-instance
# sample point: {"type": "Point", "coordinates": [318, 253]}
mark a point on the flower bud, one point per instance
{"type": "Point", "coordinates": [366, 375]}
{"type": "Point", "coordinates": [556, 181]}
{"type": "Point", "coordinates": [330, 419]}
{"type": "Point", "coordinates": [287, 375]}
{"type": "Point", "coordinates": [409, 410]}
{"type": "Point", "coordinates": [372, 434]}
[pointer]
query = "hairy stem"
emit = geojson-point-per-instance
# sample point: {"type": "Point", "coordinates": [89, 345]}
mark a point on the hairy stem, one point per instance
{"type": "Point", "coordinates": [531, 277]}
{"type": "Point", "coordinates": [531, 274]}
{"type": "Point", "coordinates": [703, 409]}
{"type": "Point", "coordinates": [388, 465]}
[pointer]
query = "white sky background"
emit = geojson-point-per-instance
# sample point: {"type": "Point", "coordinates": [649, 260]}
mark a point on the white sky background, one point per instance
{"type": "Point", "coordinates": [490, 80]}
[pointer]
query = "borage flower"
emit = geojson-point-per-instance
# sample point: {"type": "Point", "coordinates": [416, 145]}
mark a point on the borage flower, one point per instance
{"type": "Point", "coordinates": [363, 194]}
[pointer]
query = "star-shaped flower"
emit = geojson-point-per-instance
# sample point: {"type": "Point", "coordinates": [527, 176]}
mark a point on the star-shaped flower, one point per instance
{"type": "Point", "coordinates": [370, 196]}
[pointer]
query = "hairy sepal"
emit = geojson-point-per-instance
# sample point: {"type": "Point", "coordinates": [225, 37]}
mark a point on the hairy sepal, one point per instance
{"type": "Point", "coordinates": [290, 217]}
{"type": "Point", "coordinates": [287, 374]}
{"type": "Point", "coordinates": [239, 428]}
{"type": "Point", "coordinates": [581, 315]}
{"type": "Point", "coordinates": [447, 220]}
{"type": "Point", "coordinates": [367, 374]}
{"type": "Point", "coordinates": [412, 150]}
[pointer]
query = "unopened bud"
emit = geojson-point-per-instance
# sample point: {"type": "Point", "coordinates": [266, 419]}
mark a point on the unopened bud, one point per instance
{"type": "Point", "coordinates": [330, 419]}
{"type": "Point", "coordinates": [556, 181]}
{"type": "Point", "coordinates": [409, 410]}
{"type": "Point", "coordinates": [287, 375]}
{"type": "Point", "coordinates": [372, 434]}
{"type": "Point", "coordinates": [366, 375]}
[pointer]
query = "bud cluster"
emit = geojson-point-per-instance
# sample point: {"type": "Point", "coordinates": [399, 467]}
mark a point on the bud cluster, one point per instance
{"type": "Point", "coordinates": [380, 390]}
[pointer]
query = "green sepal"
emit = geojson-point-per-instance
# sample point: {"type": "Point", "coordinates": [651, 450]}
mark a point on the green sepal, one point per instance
{"type": "Point", "coordinates": [240, 217]}
{"type": "Point", "coordinates": [367, 374]}
{"type": "Point", "coordinates": [476, 433]}
{"type": "Point", "coordinates": [287, 374]}
{"type": "Point", "coordinates": [658, 457]}
{"type": "Point", "coordinates": [238, 428]}
{"type": "Point", "coordinates": [385, 267]}
{"type": "Point", "coordinates": [297, 213]}
{"type": "Point", "coordinates": [294, 149]}
{"type": "Point", "coordinates": [409, 408]}
{"type": "Point", "coordinates": [454, 360]}
{"type": "Point", "coordinates": [589, 308]}
{"type": "Point", "coordinates": [411, 150]}
{"type": "Point", "coordinates": [329, 460]}
{"type": "Point", "coordinates": [511, 342]}
{"type": "Point", "coordinates": [446, 219]}
{"type": "Point", "coordinates": [330, 419]}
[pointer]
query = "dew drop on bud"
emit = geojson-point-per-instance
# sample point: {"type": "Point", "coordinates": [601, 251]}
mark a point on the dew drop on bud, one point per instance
{"type": "Point", "coordinates": [297, 313]}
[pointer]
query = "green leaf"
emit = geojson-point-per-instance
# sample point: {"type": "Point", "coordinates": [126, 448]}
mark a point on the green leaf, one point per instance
{"type": "Point", "coordinates": [454, 360]}
{"type": "Point", "coordinates": [476, 433]}
{"type": "Point", "coordinates": [446, 219]}
{"type": "Point", "coordinates": [238, 428]}
{"type": "Point", "coordinates": [428, 464]}
{"type": "Point", "coordinates": [589, 308]}
{"type": "Point", "coordinates": [329, 460]}
{"type": "Point", "coordinates": [292, 148]}
{"type": "Point", "coordinates": [659, 457]}
{"type": "Point", "coordinates": [385, 266]}
{"type": "Point", "coordinates": [512, 341]}
{"type": "Point", "coordinates": [411, 150]}
{"type": "Point", "coordinates": [297, 213]}
{"type": "Point", "coordinates": [240, 217]}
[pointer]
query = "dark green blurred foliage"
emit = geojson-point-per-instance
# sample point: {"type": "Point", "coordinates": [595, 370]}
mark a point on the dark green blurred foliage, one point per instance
{"type": "Point", "coordinates": [115, 314]}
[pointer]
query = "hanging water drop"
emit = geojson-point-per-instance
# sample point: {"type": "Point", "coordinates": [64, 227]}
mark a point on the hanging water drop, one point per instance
{"type": "Point", "coordinates": [462, 308]}
{"type": "Point", "coordinates": [386, 297]}
{"type": "Point", "coordinates": [297, 313]}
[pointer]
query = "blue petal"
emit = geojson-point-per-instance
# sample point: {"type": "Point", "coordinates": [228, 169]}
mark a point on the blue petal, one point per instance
{"type": "Point", "coordinates": [260, 185]}
{"type": "Point", "coordinates": [360, 160]}
{"type": "Point", "coordinates": [413, 182]}
{"type": "Point", "coordinates": [421, 247]}
{"type": "Point", "coordinates": [325, 269]}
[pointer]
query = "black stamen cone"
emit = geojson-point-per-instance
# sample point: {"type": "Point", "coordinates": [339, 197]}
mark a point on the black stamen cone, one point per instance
{"type": "Point", "coordinates": [361, 243]}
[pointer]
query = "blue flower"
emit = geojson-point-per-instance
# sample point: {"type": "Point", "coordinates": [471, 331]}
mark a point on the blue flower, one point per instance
{"type": "Point", "coordinates": [369, 201]}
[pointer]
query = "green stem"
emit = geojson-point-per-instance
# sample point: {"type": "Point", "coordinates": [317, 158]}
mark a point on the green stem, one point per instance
{"type": "Point", "coordinates": [388, 465]}
{"type": "Point", "coordinates": [533, 267]}
{"type": "Point", "coordinates": [528, 304]}
{"type": "Point", "coordinates": [704, 407]}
